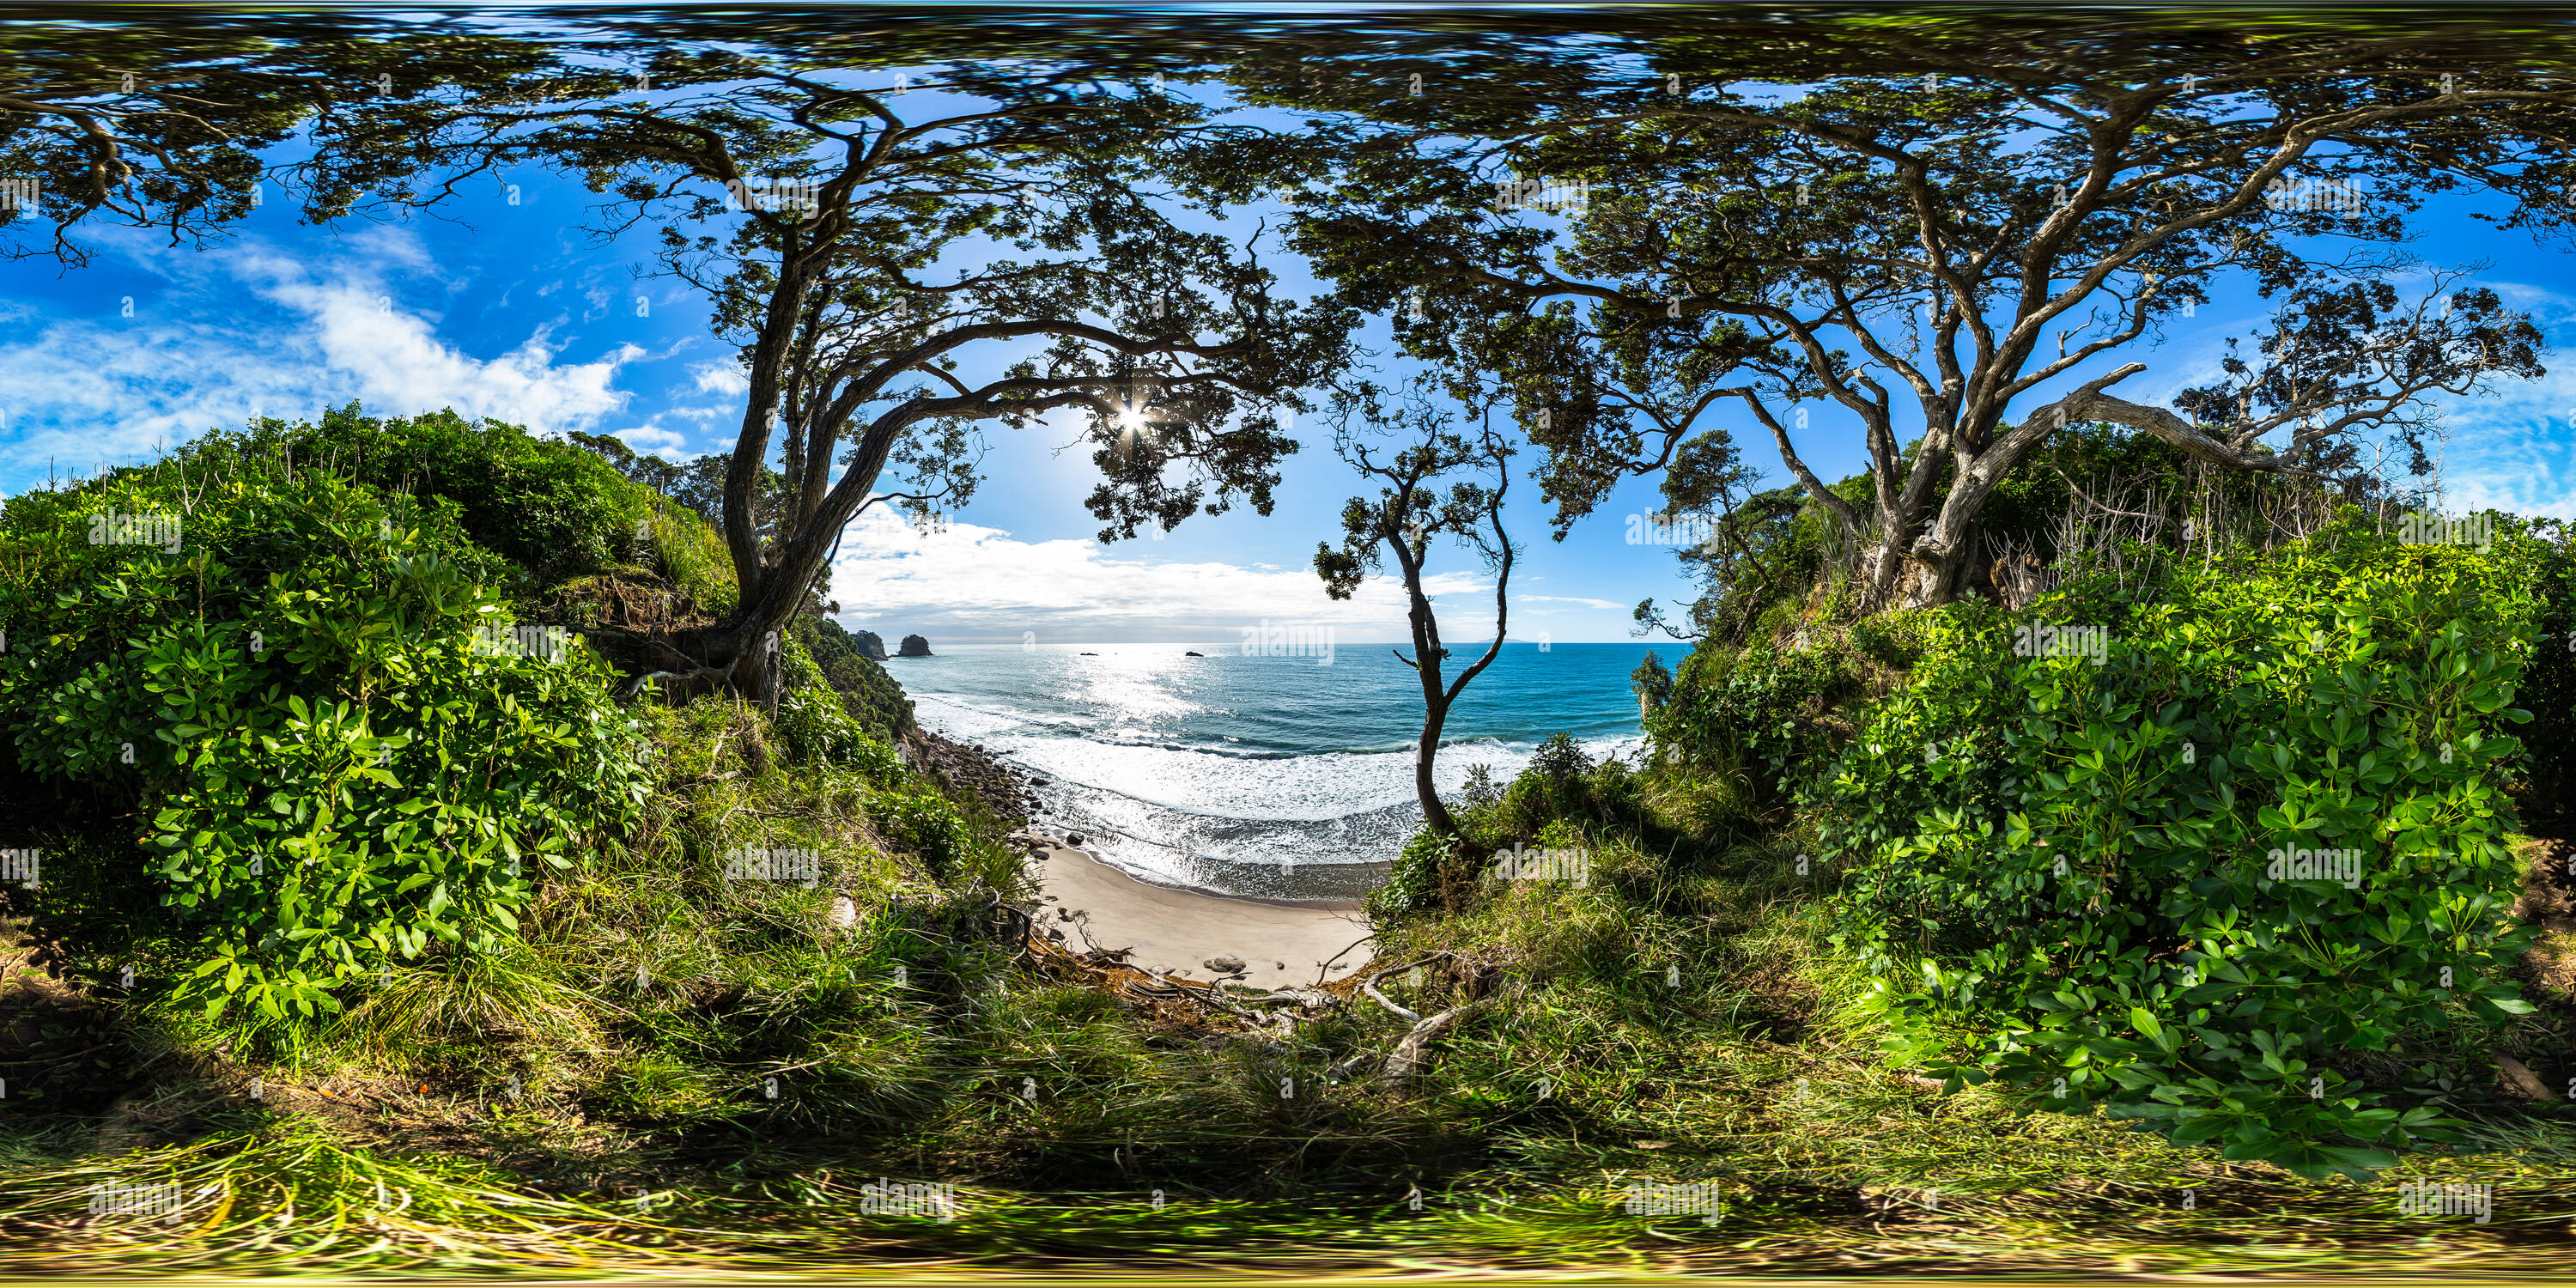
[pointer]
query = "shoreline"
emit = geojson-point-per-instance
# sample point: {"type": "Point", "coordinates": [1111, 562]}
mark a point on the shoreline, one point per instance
{"type": "Point", "coordinates": [1091, 905]}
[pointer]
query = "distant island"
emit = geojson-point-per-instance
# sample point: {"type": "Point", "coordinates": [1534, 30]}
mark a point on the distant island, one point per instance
{"type": "Point", "coordinates": [871, 647]}
{"type": "Point", "coordinates": [913, 646]}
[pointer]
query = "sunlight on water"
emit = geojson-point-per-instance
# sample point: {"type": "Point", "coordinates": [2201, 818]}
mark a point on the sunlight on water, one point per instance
{"type": "Point", "coordinates": [1271, 776]}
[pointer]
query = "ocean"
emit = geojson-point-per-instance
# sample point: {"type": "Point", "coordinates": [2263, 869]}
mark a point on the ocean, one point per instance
{"type": "Point", "coordinates": [1281, 777]}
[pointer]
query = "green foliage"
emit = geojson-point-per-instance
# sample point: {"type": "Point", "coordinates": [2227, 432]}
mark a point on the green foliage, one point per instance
{"type": "Point", "coordinates": [552, 508]}
{"type": "Point", "coordinates": [817, 725]}
{"type": "Point", "coordinates": [692, 554]}
{"type": "Point", "coordinates": [926, 823]}
{"type": "Point", "coordinates": [1559, 761]}
{"type": "Point", "coordinates": [873, 698]}
{"type": "Point", "coordinates": [1895, 639]}
{"type": "Point", "coordinates": [1651, 682]}
{"type": "Point", "coordinates": [338, 752]}
{"type": "Point", "coordinates": [2069, 869]}
{"type": "Point", "coordinates": [1759, 709]}
{"type": "Point", "coordinates": [1413, 884]}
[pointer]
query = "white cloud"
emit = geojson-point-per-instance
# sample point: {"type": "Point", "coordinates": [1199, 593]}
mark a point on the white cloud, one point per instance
{"type": "Point", "coordinates": [196, 358]}
{"type": "Point", "coordinates": [653, 440]}
{"type": "Point", "coordinates": [1566, 599]}
{"type": "Point", "coordinates": [2515, 451]}
{"type": "Point", "coordinates": [721, 378]}
{"type": "Point", "coordinates": [978, 583]}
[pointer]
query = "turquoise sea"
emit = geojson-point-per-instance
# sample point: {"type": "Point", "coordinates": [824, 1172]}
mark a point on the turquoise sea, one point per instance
{"type": "Point", "coordinates": [1273, 776]}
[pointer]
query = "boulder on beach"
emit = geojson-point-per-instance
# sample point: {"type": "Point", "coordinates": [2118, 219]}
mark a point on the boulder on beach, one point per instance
{"type": "Point", "coordinates": [913, 646]}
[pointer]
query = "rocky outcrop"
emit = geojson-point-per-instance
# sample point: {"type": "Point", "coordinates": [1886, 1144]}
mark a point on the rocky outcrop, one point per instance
{"type": "Point", "coordinates": [870, 647]}
{"type": "Point", "coordinates": [969, 770]}
{"type": "Point", "coordinates": [913, 646]}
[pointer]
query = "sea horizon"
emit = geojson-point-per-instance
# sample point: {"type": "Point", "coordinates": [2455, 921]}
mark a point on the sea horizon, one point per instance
{"type": "Point", "coordinates": [1283, 777]}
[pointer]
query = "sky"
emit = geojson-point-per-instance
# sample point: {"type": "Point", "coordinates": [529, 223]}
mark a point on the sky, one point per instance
{"type": "Point", "coordinates": [504, 305]}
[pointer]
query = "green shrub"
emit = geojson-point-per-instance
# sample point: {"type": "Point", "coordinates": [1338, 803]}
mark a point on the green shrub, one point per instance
{"type": "Point", "coordinates": [2068, 868]}
{"type": "Point", "coordinates": [872, 696]}
{"type": "Point", "coordinates": [816, 724]}
{"type": "Point", "coordinates": [1413, 884]}
{"type": "Point", "coordinates": [1895, 640]}
{"type": "Point", "coordinates": [335, 752]}
{"type": "Point", "coordinates": [1759, 709]}
{"type": "Point", "coordinates": [550, 507]}
{"type": "Point", "coordinates": [925, 823]}
{"type": "Point", "coordinates": [692, 554]}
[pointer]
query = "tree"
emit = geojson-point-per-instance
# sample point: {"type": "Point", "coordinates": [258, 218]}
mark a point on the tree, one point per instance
{"type": "Point", "coordinates": [1723, 532]}
{"type": "Point", "coordinates": [174, 128]}
{"type": "Point", "coordinates": [848, 205]}
{"type": "Point", "coordinates": [1982, 219]}
{"type": "Point", "coordinates": [651, 471]}
{"type": "Point", "coordinates": [1402, 521]}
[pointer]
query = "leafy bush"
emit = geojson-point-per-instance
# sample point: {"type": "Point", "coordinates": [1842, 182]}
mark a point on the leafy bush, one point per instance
{"type": "Point", "coordinates": [872, 696]}
{"type": "Point", "coordinates": [550, 507]}
{"type": "Point", "coordinates": [692, 554]}
{"type": "Point", "coordinates": [1759, 709]}
{"type": "Point", "coordinates": [926, 823]}
{"type": "Point", "coordinates": [2089, 875]}
{"type": "Point", "coordinates": [1895, 640]}
{"type": "Point", "coordinates": [1651, 682]}
{"type": "Point", "coordinates": [816, 724]}
{"type": "Point", "coordinates": [334, 764]}
{"type": "Point", "coordinates": [1413, 884]}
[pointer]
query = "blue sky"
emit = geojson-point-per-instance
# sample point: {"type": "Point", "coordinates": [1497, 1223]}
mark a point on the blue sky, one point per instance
{"type": "Point", "coordinates": [515, 311]}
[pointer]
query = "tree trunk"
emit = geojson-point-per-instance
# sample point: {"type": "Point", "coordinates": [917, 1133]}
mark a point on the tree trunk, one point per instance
{"type": "Point", "coordinates": [1435, 715]}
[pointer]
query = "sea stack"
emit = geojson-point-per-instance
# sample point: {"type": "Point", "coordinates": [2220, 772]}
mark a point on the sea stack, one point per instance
{"type": "Point", "coordinates": [913, 646]}
{"type": "Point", "coordinates": [870, 647]}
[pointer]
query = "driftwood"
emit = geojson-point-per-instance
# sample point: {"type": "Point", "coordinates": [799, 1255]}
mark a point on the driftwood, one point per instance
{"type": "Point", "coordinates": [1412, 1053]}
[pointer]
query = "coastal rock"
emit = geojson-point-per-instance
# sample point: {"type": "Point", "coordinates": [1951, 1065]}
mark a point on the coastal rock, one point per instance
{"type": "Point", "coordinates": [913, 646]}
{"type": "Point", "coordinates": [1193, 653]}
{"type": "Point", "coordinates": [1224, 965]}
{"type": "Point", "coordinates": [1074, 840]}
{"type": "Point", "coordinates": [870, 647]}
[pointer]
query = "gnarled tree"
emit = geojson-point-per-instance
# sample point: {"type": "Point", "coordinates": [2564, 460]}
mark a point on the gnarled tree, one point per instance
{"type": "Point", "coordinates": [908, 255]}
{"type": "Point", "coordinates": [1943, 234]}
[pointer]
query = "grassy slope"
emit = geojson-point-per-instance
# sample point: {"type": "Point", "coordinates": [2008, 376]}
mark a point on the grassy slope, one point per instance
{"type": "Point", "coordinates": [1676, 1019]}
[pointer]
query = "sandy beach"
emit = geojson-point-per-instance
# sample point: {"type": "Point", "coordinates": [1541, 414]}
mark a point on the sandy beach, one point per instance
{"type": "Point", "coordinates": [1179, 931]}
